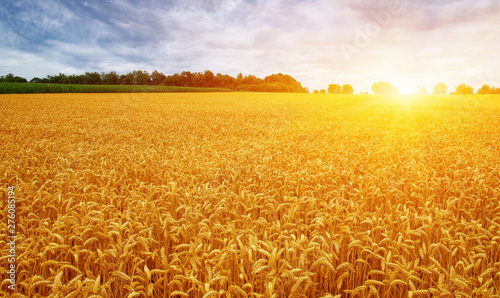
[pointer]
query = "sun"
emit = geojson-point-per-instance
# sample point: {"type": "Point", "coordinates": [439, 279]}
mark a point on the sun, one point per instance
{"type": "Point", "coordinates": [406, 89]}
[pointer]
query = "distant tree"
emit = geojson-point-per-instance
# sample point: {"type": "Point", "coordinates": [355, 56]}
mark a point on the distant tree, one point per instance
{"type": "Point", "coordinates": [58, 79]}
{"type": "Point", "coordinates": [225, 81]}
{"type": "Point", "coordinates": [141, 77]}
{"type": "Point", "coordinates": [186, 79]}
{"type": "Point", "coordinates": [76, 79]}
{"type": "Point", "coordinates": [126, 79]}
{"type": "Point", "coordinates": [306, 90]}
{"type": "Point", "coordinates": [273, 83]}
{"type": "Point", "coordinates": [292, 84]}
{"type": "Point", "coordinates": [274, 87]}
{"type": "Point", "coordinates": [10, 78]}
{"type": "Point", "coordinates": [136, 77]}
{"type": "Point", "coordinates": [422, 90]}
{"type": "Point", "coordinates": [440, 89]}
{"type": "Point", "coordinates": [366, 93]}
{"type": "Point", "coordinates": [347, 89]}
{"type": "Point", "coordinates": [110, 78]}
{"type": "Point", "coordinates": [485, 89]}
{"type": "Point", "coordinates": [315, 91]}
{"type": "Point", "coordinates": [92, 78]}
{"type": "Point", "coordinates": [173, 80]}
{"type": "Point", "coordinates": [384, 88]}
{"type": "Point", "coordinates": [251, 80]}
{"type": "Point", "coordinates": [322, 91]}
{"type": "Point", "coordinates": [334, 89]}
{"type": "Point", "coordinates": [38, 80]}
{"type": "Point", "coordinates": [464, 89]}
{"type": "Point", "coordinates": [63, 79]}
{"type": "Point", "coordinates": [157, 78]}
{"type": "Point", "coordinates": [239, 80]}
{"type": "Point", "coordinates": [208, 79]}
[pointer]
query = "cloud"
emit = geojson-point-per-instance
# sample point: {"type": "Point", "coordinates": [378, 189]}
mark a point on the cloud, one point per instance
{"type": "Point", "coordinates": [416, 39]}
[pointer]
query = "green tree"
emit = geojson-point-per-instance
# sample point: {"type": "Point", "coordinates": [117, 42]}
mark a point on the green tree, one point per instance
{"type": "Point", "coordinates": [110, 78]}
{"type": "Point", "coordinates": [157, 78]}
{"type": "Point", "coordinates": [464, 89]}
{"type": "Point", "coordinates": [8, 78]}
{"type": "Point", "coordinates": [440, 89]}
{"type": "Point", "coordinates": [334, 89]}
{"type": "Point", "coordinates": [12, 79]}
{"type": "Point", "coordinates": [76, 79]}
{"type": "Point", "coordinates": [127, 79]}
{"type": "Point", "coordinates": [58, 79]}
{"type": "Point", "coordinates": [347, 89]}
{"type": "Point", "coordinates": [384, 88]}
{"type": "Point", "coordinates": [173, 80]}
{"type": "Point", "coordinates": [92, 78]}
{"type": "Point", "coordinates": [141, 77]}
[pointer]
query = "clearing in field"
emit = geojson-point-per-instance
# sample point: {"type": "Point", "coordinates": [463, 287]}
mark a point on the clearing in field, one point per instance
{"type": "Point", "coordinates": [252, 195]}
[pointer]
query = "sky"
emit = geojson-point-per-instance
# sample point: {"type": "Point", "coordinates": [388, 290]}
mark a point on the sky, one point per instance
{"type": "Point", "coordinates": [318, 42]}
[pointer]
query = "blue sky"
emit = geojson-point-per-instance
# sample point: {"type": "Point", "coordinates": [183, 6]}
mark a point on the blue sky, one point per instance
{"type": "Point", "coordinates": [316, 41]}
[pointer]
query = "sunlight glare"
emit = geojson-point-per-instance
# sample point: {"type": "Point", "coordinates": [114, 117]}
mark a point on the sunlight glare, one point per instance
{"type": "Point", "coordinates": [406, 89]}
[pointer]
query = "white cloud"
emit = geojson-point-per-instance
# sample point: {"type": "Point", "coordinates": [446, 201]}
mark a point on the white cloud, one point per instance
{"type": "Point", "coordinates": [427, 41]}
{"type": "Point", "coordinates": [31, 65]}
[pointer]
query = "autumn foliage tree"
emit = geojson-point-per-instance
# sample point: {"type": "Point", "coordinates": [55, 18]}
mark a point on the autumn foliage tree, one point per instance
{"type": "Point", "coordinates": [422, 90]}
{"type": "Point", "coordinates": [384, 88]}
{"type": "Point", "coordinates": [334, 89]}
{"type": "Point", "coordinates": [463, 89]}
{"type": "Point", "coordinates": [337, 89]}
{"type": "Point", "coordinates": [440, 89]}
{"type": "Point", "coordinates": [347, 89]}
{"type": "Point", "coordinates": [485, 89]}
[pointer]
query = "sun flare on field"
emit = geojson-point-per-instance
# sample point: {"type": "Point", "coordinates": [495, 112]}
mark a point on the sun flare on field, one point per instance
{"type": "Point", "coordinates": [406, 89]}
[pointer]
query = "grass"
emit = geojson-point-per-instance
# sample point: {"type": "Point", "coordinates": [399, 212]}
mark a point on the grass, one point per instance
{"type": "Point", "coordinates": [23, 88]}
{"type": "Point", "coordinates": [253, 194]}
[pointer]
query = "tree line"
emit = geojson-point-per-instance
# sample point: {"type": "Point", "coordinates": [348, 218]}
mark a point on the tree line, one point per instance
{"type": "Point", "coordinates": [10, 78]}
{"type": "Point", "coordinates": [388, 88]}
{"type": "Point", "coordinates": [439, 89]}
{"type": "Point", "coordinates": [272, 83]}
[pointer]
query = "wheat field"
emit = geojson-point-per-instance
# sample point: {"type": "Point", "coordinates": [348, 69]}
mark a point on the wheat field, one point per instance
{"type": "Point", "coordinates": [252, 195]}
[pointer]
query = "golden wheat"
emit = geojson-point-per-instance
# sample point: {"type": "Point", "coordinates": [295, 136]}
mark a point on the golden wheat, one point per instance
{"type": "Point", "coordinates": [252, 195]}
